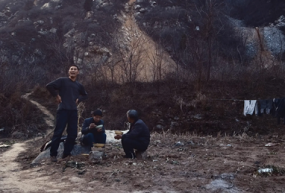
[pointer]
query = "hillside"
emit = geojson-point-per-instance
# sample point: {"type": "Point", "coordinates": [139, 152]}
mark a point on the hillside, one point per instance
{"type": "Point", "coordinates": [186, 65]}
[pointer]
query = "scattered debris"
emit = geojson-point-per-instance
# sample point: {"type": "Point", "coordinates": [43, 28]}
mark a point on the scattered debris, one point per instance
{"type": "Point", "coordinates": [222, 186]}
{"type": "Point", "coordinates": [271, 170]}
{"type": "Point", "coordinates": [96, 156]}
{"type": "Point", "coordinates": [4, 146]}
{"type": "Point", "coordinates": [198, 116]}
{"type": "Point", "coordinates": [179, 143]}
{"type": "Point", "coordinates": [270, 144]}
{"type": "Point", "coordinates": [73, 164]}
{"type": "Point", "coordinates": [81, 172]}
{"type": "Point", "coordinates": [265, 170]}
{"type": "Point", "coordinates": [156, 142]}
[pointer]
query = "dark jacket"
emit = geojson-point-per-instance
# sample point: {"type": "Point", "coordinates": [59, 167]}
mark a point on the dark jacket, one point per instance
{"type": "Point", "coordinates": [139, 131]}
{"type": "Point", "coordinates": [69, 91]}
{"type": "Point", "coordinates": [87, 122]}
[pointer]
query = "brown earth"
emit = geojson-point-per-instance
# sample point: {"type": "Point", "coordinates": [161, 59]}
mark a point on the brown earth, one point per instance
{"type": "Point", "coordinates": [199, 164]}
{"type": "Point", "coordinates": [221, 151]}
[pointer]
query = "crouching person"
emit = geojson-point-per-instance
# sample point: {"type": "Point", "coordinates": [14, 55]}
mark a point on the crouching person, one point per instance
{"type": "Point", "coordinates": [93, 129]}
{"type": "Point", "coordinates": [137, 137]}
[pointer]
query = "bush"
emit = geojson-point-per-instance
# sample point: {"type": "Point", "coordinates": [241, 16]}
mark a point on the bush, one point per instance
{"type": "Point", "coordinates": [257, 12]}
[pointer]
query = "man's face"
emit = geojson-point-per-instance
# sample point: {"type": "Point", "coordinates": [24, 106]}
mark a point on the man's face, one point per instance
{"type": "Point", "coordinates": [130, 120]}
{"type": "Point", "coordinates": [97, 118]}
{"type": "Point", "coordinates": [73, 71]}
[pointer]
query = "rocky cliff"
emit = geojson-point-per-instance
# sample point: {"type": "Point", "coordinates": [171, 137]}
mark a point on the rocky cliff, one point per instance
{"type": "Point", "coordinates": [129, 40]}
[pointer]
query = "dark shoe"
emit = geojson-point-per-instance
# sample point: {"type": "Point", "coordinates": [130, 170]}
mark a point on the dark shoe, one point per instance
{"type": "Point", "coordinates": [131, 156]}
{"type": "Point", "coordinates": [65, 156]}
{"type": "Point", "coordinates": [53, 159]}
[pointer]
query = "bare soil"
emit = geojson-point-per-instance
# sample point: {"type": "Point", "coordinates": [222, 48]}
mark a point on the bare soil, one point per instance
{"type": "Point", "coordinates": [196, 164]}
{"type": "Point", "coordinates": [222, 152]}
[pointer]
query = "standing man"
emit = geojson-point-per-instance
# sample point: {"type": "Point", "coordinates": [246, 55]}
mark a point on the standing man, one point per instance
{"type": "Point", "coordinates": [68, 94]}
{"type": "Point", "coordinates": [138, 137]}
{"type": "Point", "coordinates": [93, 129]}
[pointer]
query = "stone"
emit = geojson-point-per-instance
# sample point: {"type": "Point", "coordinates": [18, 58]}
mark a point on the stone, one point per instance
{"type": "Point", "coordinates": [77, 150]}
{"type": "Point", "coordinates": [141, 155]}
{"type": "Point", "coordinates": [137, 7]}
{"type": "Point", "coordinates": [40, 22]}
{"type": "Point", "coordinates": [179, 143]}
{"type": "Point", "coordinates": [156, 142]}
{"type": "Point", "coordinates": [153, 3]}
{"type": "Point", "coordinates": [221, 186]}
{"type": "Point", "coordinates": [96, 156]}
{"type": "Point", "coordinates": [198, 116]}
{"type": "Point", "coordinates": [159, 127]}
{"type": "Point", "coordinates": [174, 124]}
{"type": "Point", "coordinates": [274, 40]}
{"type": "Point", "coordinates": [176, 118]}
{"type": "Point", "coordinates": [76, 180]}
{"type": "Point", "coordinates": [191, 142]}
{"type": "Point", "coordinates": [143, 10]}
{"type": "Point", "coordinates": [4, 146]}
{"type": "Point", "coordinates": [53, 30]}
{"type": "Point", "coordinates": [18, 135]}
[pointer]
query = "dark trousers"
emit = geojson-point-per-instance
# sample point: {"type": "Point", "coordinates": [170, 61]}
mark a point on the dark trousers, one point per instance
{"type": "Point", "coordinates": [63, 118]}
{"type": "Point", "coordinates": [89, 139]}
{"type": "Point", "coordinates": [130, 144]}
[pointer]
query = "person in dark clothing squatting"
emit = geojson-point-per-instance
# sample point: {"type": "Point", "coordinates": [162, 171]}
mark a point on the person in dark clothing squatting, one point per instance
{"type": "Point", "coordinates": [138, 137]}
{"type": "Point", "coordinates": [68, 93]}
{"type": "Point", "coordinates": [93, 129]}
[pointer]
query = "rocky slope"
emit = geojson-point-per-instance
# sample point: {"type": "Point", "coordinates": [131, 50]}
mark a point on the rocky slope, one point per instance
{"type": "Point", "coordinates": [107, 41]}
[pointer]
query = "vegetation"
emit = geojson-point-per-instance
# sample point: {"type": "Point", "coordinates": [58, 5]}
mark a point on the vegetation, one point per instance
{"type": "Point", "coordinates": [39, 39]}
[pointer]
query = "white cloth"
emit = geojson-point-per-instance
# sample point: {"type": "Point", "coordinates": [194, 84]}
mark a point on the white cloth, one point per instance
{"type": "Point", "coordinates": [256, 108]}
{"type": "Point", "coordinates": [249, 106]}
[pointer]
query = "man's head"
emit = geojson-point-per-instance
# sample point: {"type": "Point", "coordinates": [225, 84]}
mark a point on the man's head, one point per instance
{"type": "Point", "coordinates": [97, 115]}
{"type": "Point", "coordinates": [73, 71]}
{"type": "Point", "coordinates": [132, 116]}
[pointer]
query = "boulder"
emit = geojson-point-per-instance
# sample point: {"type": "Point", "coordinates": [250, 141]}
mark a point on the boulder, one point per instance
{"type": "Point", "coordinates": [96, 156]}
{"type": "Point", "coordinates": [159, 127]}
{"type": "Point", "coordinates": [18, 135]}
{"type": "Point", "coordinates": [77, 150]}
{"type": "Point", "coordinates": [274, 40]}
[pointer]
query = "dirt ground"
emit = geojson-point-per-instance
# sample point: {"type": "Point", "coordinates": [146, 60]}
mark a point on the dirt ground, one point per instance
{"type": "Point", "coordinates": [175, 163]}
{"type": "Point", "coordinates": [221, 151]}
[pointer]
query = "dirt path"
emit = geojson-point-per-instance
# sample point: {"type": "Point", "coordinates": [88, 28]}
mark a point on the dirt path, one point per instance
{"type": "Point", "coordinates": [14, 179]}
{"type": "Point", "coordinates": [49, 118]}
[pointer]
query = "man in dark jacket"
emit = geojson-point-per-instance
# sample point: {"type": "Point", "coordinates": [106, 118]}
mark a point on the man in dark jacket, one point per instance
{"type": "Point", "coordinates": [93, 129]}
{"type": "Point", "coordinates": [138, 137]}
{"type": "Point", "coordinates": [68, 94]}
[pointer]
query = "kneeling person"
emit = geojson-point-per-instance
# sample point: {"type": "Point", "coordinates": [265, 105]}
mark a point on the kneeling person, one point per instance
{"type": "Point", "coordinates": [138, 137]}
{"type": "Point", "coordinates": [92, 133]}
